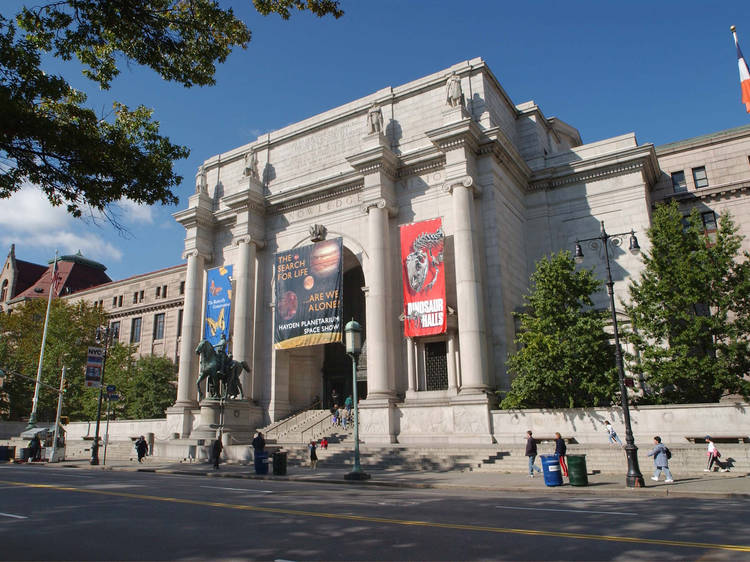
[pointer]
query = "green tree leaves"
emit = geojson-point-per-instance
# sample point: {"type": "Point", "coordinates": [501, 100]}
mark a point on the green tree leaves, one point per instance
{"type": "Point", "coordinates": [690, 310]}
{"type": "Point", "coordinates": [50, 139]}
{"type": "Point", "coordinates": [565, 359]}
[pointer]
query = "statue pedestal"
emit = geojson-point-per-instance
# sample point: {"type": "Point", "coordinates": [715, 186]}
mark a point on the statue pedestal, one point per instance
{"type": "Point", "coordinates": [239, 418]}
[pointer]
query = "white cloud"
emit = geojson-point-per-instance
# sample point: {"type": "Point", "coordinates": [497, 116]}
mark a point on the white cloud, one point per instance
{"type": "Point", "coordinates": [135, 213]}
{"type": "Point", "coordinates": [28, 219]}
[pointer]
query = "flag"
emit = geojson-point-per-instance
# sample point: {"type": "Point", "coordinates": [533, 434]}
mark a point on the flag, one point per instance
{"type": "Point", "coordinates": [744, 73]}
{"type": "Point", "coordinates": [56, 278]}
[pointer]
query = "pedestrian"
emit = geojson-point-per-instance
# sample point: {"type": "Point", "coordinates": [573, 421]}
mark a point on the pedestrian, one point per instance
{"type": "Point", "coordinates": [259, 443]}
{"type": "Point", "coordinates": [661, 460]}
{"type": "Point", "coordinates": [344, 417]}
{"type": "Point", "coordinates": [313, 455]}
{"type": "Point", "coordinates": [611, 433]}
{"type": "Point", "coordinates": [216, 450]}
{"type": "Point", "coordinates": [348, 404]}
{"type": "Point", "coordinates": [335, 415]}
{"type": "Point", "coordinates": [713, 457]}
{"type": "Point", "coordinates": [334, 398]}
{"type": "Point", "coordinates": [35, 445]}
{"type": "Point", "coordinates": [560, 449]}
{"type": "Point", "coordinates": [531, 453]}
{"type": "Point", "coordinates": [324, 443]}
{"type": "Point", "coordinates": [141, 447]}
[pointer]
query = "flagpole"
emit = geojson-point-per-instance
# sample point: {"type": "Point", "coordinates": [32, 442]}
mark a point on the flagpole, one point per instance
{"type": "Point", "coordinates": [35, 403]}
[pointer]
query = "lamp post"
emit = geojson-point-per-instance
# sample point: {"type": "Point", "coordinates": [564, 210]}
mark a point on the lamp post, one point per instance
{"type": "Point", "coordinates": [353, 340]}
{"type": "Point", "coordinates": [103, 335]}
{"type": "Point", "coordinates": [634, 477]}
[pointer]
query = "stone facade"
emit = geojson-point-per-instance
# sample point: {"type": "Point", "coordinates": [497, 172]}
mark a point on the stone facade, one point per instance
{"type": "Point", "coordinates": [510, 185]}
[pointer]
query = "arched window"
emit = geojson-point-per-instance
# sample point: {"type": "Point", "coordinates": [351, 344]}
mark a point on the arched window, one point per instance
{"type": "Point", "coordinates": [4, 291]}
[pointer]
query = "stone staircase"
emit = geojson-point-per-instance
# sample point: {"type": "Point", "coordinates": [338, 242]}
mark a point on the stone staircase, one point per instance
{"type": "Point", "coordinates": [304, 427]}
{"type": "Point", "coordinates": [608, 459]}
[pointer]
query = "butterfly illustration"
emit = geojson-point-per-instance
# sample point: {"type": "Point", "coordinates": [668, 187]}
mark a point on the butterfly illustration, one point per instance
{"type": "Point", "coordinates": [218, 324]}
{"type": "Point", "coordinates": [214, 289]}
{"type": "Point", "coordinates": [222, 271]}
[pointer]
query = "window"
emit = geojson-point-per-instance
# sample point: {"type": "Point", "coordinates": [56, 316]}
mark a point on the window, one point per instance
{"type": "Point", "coordinates": [159, 326]}
{"type": "Point", "coordinates": [114, 329]}
{"type": "Point", "coordinates": [182, 287]}
{"type": "Point", "coordinates": [119, 301]}
{"type": "Point", "coordinates": [158, 292]}
{"type": "Point", "coordinates": [179, 323]}
{"type": "Point", "coordinates": [678, 182]}
{"type": "Point", "coordinates": [164, 292]}
{"type": "Point", "coordinates": [114, 301]}
{"type": "Point", "coordinates": [700, 177]}
{"type": "Point", "coordinates": [436, 366]}
{"type": "Point", "coordinates": [4, 291]}
{"type": "Point", "coordinates": [709, 225]}
{"type": "Point", "coordinates": [135, 330]}
{"type": "Point", "coordinates": [135, 297]}
{"type": "Point", "coordinates": [140, 296]}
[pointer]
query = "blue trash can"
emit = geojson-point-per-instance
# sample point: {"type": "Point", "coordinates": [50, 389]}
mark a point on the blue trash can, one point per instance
{"type": "Point", "coordinates": [551, 470]}
{"type": "Point", "coordinates": [261, 462]}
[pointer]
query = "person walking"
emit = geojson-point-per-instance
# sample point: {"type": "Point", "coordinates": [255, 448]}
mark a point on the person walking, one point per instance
{"type": "Point", "coordinates": [259, 443]}
{"type": "Point", "coordinates": [313, 455]}
{"type": "Point", "coordinates": [348, 404]}
{"type": "Point", "coordinates": [141, 447]}
{"type": "Point", "coordinates": [611, 433]}
{"type": "Point", "coordinates": [713, 457]}
{"type": "Point", "coordinates": [560, 449]}
{"type": "Point", "coordinates": [661, 461]}
{"type": "Point", "coordinates": [35, 445]}
{"type": "Point", "coordinates": [216, 450]}
{"type": "Point", "coordinates": [531, 453]}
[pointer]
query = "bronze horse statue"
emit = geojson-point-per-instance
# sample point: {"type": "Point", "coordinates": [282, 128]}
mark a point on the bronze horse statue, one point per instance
{"type": "Point", "coordinates": [219, 369]}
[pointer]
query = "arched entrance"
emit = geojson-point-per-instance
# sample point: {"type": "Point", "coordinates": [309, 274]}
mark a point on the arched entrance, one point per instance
{"type": "Point", "coordinates": [337, 365]}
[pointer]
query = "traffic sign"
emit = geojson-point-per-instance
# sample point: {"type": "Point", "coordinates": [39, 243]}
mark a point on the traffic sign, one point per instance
{"type": "Point", "coordinates": [111, 388]}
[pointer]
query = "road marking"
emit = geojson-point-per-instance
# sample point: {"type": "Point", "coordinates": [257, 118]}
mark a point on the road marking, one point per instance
{"type": "Point", "coordinates": [13, 516]}
{"type": "Point", "coordinates": [566, 510]}
{"type": "Point", "coordinates": [384, 520]}
{"type": "Point", "coordinates": [113, 486]}
{"type": "Point", "coordinates": [239, 490]}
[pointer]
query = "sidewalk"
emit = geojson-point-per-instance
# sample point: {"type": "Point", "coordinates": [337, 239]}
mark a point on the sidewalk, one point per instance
{"type": "Point", "coordinates": [698, 485]}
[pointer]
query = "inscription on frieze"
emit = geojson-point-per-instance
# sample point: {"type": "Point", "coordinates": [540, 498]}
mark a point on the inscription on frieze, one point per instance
{"type": "Point", "coordinates": [331, 205]}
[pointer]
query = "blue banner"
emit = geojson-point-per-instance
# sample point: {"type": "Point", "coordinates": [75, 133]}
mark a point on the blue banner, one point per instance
{"type": "Point", "coordinates": [218, 303]}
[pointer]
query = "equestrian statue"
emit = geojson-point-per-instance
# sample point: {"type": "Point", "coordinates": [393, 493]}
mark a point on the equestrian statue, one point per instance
{"type": "Point", "coordinates": [220, 371]}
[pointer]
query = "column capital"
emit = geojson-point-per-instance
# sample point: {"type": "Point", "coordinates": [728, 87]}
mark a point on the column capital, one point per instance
{"type": "Point", "coordinates": [195, 253]}
{"type": "Point", "coordinates": [465, 181]}
{"type": "Point", "coordinates": [248, 239]}
{"type": "Point", "coordinates": [379, 203]}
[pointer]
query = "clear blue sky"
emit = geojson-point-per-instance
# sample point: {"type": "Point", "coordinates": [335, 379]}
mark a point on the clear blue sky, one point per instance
{"type": "Point", "coordinates": [664, 70]}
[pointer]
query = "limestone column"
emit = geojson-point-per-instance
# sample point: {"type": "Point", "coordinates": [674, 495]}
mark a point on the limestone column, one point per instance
{"type": "Point", "coordinates": [410, 369]}
{"type": "Point", "coordinates": [242, 341]}
{"type": "Point", "coordinates": [377, 302]}
{"type": "Point", "coordinates": [451, 359]}
{"type": "Point", "coordinates": [191, 329]}
{"type": "Point", "coordinates": [471, 322]}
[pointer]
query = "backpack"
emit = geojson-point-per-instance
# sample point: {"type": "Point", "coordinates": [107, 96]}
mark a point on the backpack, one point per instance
{"type": "Point", "coordinates": [668, 453]}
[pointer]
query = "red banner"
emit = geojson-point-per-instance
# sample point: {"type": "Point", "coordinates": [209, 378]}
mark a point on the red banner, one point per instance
{"type": "Point", "coordinates": [423, 273]}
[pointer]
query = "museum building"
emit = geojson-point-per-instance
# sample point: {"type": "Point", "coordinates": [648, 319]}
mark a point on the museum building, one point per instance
{"type": "Point", "coordinates": [508, 186]}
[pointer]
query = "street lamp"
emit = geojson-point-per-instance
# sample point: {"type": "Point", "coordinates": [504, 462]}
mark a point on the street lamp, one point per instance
{"type": "Point", "coordinates": [353, 340]}
{"type": "Point", "coordinates": [634, 478]}
{"type": "Point", "coordinates": [102, 336]}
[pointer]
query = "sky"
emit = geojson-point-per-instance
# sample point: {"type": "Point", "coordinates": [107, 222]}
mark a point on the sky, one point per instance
{"type": "Point", "coordinates": [665, 70]}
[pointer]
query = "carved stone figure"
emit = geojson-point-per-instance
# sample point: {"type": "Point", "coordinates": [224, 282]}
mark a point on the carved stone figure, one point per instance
{"type": "Point", "coordinates": [201, 182]}
{"type": "Point", "coordinates": [454, 95]}
{"type": "Point", "coordinates": [374, 119]}
{"type": "Point", "coordinates": [318, 233]}
{"type": "Point", "coordinates": [251, 165]}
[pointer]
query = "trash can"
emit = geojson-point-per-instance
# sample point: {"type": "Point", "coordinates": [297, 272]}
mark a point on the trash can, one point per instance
{"type": "Point", "coordinates": [261, 462]}
{"type": "Point", "coordinates": [577, 470]}
{"type": "Point", "coordinates": [279, 463]}
{"type": "Point", "coordinates": [551, 470]}
{"type": "Point", "coordinates": [4, 453]}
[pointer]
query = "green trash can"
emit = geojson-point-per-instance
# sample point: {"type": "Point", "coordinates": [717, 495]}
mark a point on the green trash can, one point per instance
{"type": "Point", "coordinates": [577, 470]}
{"type": "Point", "coordinates": [279, 463]}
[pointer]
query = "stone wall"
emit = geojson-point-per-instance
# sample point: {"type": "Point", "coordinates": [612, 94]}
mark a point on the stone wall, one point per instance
{"type": "Point", "coordinates": [586, 425]}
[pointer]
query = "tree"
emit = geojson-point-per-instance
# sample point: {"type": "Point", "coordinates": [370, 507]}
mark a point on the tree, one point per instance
{"type": "Point", "coordinates": [50, 139]}
{"type": "Point", "coordinates": [566, 359]}
{"type": "Point", "coordinates": [690, 310]}
{"type": "Point", "coordinates": [150, 388]}
{"type": "Point", "coordinates": [71, 330]}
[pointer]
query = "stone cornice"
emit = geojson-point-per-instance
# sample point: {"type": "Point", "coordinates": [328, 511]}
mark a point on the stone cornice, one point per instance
{"type": "Point", "coordinates": [464, 133]}
{"type": "Point", "coordinates": [714, 193]}
{"type": "Point", "coordinates": [306, 198]}
{"type": "Point", "coordinates": [377, 159]}
{"type": "Point", "coordinates": [246, 199]}
{"type": "Point", "coordinates": [500, 146]}
{"type": "Point", "coordinates": [640, 158]}
{"type": "Point", "coordinates": [145, 309]}
{"type": "Point", "coordinates": [421, 162]}
{"type": "Point", "coordinates": [195, 216]}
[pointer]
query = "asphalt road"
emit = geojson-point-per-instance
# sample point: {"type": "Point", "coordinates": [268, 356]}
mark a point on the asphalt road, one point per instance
{"type": "Point", "coordinates": [68, 514]}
